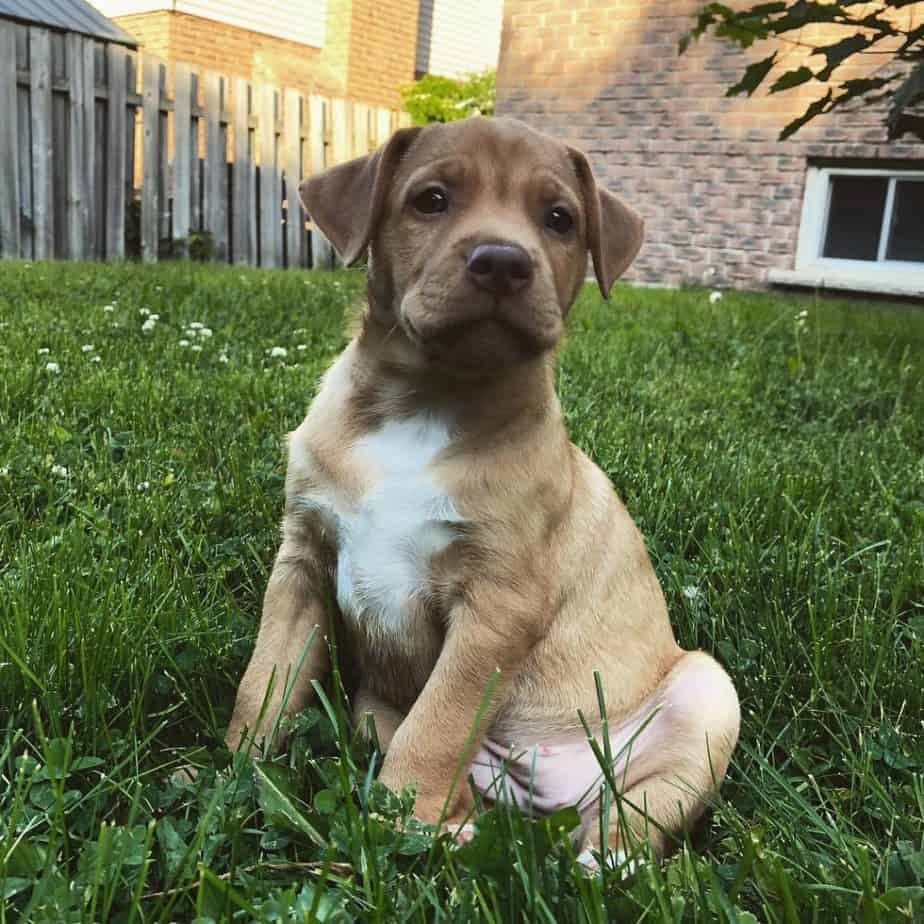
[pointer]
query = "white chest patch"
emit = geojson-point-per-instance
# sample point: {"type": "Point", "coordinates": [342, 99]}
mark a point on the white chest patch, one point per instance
{"type": "Point", "coordinates": [386, 539]}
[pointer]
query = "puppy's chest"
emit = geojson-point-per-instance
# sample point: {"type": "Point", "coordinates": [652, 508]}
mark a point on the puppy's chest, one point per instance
{"type": "Point", "coordinates": [387, 536]}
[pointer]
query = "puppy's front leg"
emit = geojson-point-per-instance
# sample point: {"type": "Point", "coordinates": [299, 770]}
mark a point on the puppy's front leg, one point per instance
{"type": "Point", "coordinates": [430, 744]}
{"type": "Point", "coordinates": [293, 608]}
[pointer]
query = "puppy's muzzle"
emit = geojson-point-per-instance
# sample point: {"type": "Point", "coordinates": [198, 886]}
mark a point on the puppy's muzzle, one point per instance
{"type": "Point", "coordinates": [501, 269]}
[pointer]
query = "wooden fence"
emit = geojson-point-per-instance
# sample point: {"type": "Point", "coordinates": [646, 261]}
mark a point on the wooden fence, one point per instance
{"type": "Point", "coordinates": [215, 162]}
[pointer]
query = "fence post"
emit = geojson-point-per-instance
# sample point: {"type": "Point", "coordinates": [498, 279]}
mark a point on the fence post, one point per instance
{"type": "Point", "coordinates": [295, 225]}
{"type": "Point", "coordinates": [360, 130]}
{"type": "Point", "coordinates": [150, 184]}
{"type": "Point", "coordinates": [215, 179]}
{"type": "Point", "coordinates": [116, 144]}
{"type": "Point", "coordinates": [43, 208]}
{"type": "Point", "coordinates": [322, 254]}
{"type": "Point", "coordinates": [270, 181]}
{"type": "Point", "coordinates": [382, 126]}
{"type": "Point", "coordinates": [9, 145]}
{"type": "Point", "coordinates": [241, 175]}
{"type": "Point", "coordinates": [185, 155]}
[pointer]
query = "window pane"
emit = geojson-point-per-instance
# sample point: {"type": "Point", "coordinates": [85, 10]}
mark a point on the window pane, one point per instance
{"type": "Point", "coordinates": [906, 242]}
{"type": "Point", "coordinates": [855, 217]}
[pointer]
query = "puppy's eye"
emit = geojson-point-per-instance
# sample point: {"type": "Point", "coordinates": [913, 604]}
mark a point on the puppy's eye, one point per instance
{"type": "Point", "coordinates": [559, 220]}
{"type": "Point", "coordinates": [431, 201]}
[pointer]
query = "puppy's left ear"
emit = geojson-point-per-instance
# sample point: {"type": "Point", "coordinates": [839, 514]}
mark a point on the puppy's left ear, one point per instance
{"type": "Point", "coordinates": [614, 230]}
{"type": "Point", "coordinates": [347, 201]}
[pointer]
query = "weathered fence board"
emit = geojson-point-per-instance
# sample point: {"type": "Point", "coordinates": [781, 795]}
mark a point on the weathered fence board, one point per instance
{"type": "Point", "coordinates": [215, 173]}
{"type": "Point", "coordinates": [43, 208]}
{"type": "Point", "coordinates": [319, 110]}
{"type": "Point", "coordinates": [293, 146]}
{"type": "Point", "coordinates": [9, 159]}
{"type": "Point", "coordinates": [270, 180]}
{"type": "Point", "coordinates": [69, 167]}
{"type": "Point", "coordinates": [241, 208]}
{"type": "Point", "coordinates": [116, 155]}
{"type": "Point", "coordinates": [185, 152]}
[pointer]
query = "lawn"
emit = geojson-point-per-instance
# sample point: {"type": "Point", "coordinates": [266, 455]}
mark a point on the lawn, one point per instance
{"type": "Point", "coordinates": [771, 448]}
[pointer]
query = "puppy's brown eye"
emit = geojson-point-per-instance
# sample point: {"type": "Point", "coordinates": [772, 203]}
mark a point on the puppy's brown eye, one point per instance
{"type": "Point", "coordinates": [559, 220]}
{"type": "Point", "coordinates": [431, 201]}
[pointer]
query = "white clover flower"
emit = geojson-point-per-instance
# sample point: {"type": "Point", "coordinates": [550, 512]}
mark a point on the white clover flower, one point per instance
{"type": "Point", "coordinates": [196, 348]}
{"type": "Point", "coordinates": [302, 347]}
{"type": "Point", "coordinates": [802, 315]}
{"type": "Point", "coordinates": [278, 352]}
{"type": "Point", "coordinates": [144, 485]}
{"type": "Point", "coordinates": [153, 317]}
{"type": "Point", "coordinates": [692, 592]}
{"type": "Point", "coordinates": [53, 368]}
{"type": "Point", "coordinates": [223, 357]}
{"type": "Point", "coordinates": [108, 308]}
{"type": "Point", "coordinates": [715, 297]}
{"type": "Point", "coordinates": [184, 342]}
{"type": "Point", "coordinates": [5, 471]}
{"type": "Point", "coordinates": [148, 325]}
{"type": "Point", "coordinates": [195, 325]}
{"type": "Point", "coordinates": [205, 331]}
{"type": "Point", "coordinates": [96, 359]}
{"type": "Point", "coordinates": [43, 351]}
{"type": "Point", "coordinates": [87, 348]}
{"type": "Point", "coordinates": [143, 312]}
{"type": "Point", "coordinates": [59, 471]}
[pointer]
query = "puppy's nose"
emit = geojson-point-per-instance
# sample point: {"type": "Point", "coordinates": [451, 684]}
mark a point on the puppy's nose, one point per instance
{"type": "Point", "coordinates": [500, 268]}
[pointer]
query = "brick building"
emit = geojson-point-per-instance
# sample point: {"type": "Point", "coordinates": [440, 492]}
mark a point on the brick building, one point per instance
{"type": "Point", "coordinates": [360, 49]}
{"type": "Point", "coordinates": [725, 203]}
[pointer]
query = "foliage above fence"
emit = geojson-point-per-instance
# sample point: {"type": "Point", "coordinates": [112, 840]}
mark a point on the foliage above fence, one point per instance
{"type": "Point", "coordinates": [96, 163]}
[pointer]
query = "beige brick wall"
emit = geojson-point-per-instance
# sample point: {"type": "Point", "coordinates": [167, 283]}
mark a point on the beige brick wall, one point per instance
{"type": "Point", "coordinates": [716, 188]}
{"type": "Point", "coordinates": [368, 54]}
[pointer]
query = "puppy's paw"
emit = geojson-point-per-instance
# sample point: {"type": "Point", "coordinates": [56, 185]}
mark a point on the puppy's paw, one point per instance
{"type": "Point", "coordinates": [616, 862]}
{"type": "Point", "coordinates": [463, 833]}
{"type": "Point", "coordinates": [185, 776]}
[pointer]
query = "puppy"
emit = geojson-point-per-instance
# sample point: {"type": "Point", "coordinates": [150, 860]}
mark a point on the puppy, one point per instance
{"type": "Point", "coordinates": [433, 496]}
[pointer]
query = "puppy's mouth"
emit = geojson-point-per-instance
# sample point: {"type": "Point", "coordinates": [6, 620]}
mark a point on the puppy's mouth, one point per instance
{"type": "Point", "coordinates": [481, 323]}
{"type": "Point", "coordinates": [449, 334]}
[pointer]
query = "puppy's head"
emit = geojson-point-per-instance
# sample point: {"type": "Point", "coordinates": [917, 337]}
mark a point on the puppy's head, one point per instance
{"type": "Point", "coordinates": [478, 233]}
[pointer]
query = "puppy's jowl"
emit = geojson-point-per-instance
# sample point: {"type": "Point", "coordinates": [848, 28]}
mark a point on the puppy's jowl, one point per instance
{"type": "Point", "coordinates": [433, 489]}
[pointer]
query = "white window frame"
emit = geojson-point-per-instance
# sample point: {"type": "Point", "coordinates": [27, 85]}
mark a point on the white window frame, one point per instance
{"type": "Point", "coordinates": [816, 205]}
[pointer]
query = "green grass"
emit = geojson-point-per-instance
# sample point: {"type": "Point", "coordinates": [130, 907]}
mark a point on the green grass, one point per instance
{"type": "Point", "coordinates": [775, 465]}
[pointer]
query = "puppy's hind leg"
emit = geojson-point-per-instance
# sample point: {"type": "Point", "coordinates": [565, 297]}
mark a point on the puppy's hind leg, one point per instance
{"type": "Point", "coordinates": [677, 761]}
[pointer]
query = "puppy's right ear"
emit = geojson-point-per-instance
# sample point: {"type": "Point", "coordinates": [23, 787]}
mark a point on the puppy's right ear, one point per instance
{"type": "Point", "coordinates": [347, 202]}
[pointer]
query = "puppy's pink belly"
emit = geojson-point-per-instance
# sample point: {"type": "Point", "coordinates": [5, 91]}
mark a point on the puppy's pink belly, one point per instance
{"type": "Point", "coordinates": [542, 778]}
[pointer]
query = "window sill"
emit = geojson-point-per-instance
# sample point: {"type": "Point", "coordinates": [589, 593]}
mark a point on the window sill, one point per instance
{"type": "Point", "coordinates": [823, 277]}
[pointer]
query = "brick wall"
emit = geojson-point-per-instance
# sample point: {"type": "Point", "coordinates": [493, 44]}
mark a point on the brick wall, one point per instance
{"type": "Point", "coordinates": [368, 54]}
{"type": "Point", "coordinates": [721, 196]}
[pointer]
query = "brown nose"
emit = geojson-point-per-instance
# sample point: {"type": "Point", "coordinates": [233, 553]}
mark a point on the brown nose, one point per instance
{"type": "Point", "coordinates": [500, 268]}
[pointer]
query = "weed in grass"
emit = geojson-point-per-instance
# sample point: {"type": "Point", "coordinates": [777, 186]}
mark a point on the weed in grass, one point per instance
{"type": "Point", "coordinates": [771, 448]}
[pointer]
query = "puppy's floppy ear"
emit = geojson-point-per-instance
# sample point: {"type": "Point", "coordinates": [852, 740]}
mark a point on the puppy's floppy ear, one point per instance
{"type": "Point", "coordinates": [614, 231]}
{"type": "Point", "coordinates": [347, 201]}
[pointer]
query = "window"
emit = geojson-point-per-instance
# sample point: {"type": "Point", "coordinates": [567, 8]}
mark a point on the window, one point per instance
{"type": "Point", "coordinates": [864, 225]}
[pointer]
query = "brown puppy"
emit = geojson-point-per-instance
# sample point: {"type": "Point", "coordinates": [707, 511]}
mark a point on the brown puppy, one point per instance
{"type": "Point", "coordinates": [433, 490]}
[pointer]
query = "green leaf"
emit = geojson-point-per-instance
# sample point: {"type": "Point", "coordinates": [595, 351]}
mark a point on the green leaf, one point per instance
{"type": "Point", "coordinates": [325, 802]}
{"type": "Point", "coordinates": [13, 885]}
{"type": "Point", "coordinates": [792, 79]}
{"type": "Point", "coordinates": [274, 790]}
{"type": "Point", "coordinates": [753, 76]}
{"type": "Point", "coordinates": [172, 844]}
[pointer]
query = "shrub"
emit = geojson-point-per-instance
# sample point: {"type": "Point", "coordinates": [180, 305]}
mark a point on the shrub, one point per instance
{"type": "Point", "coordinates": [445, 99]}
